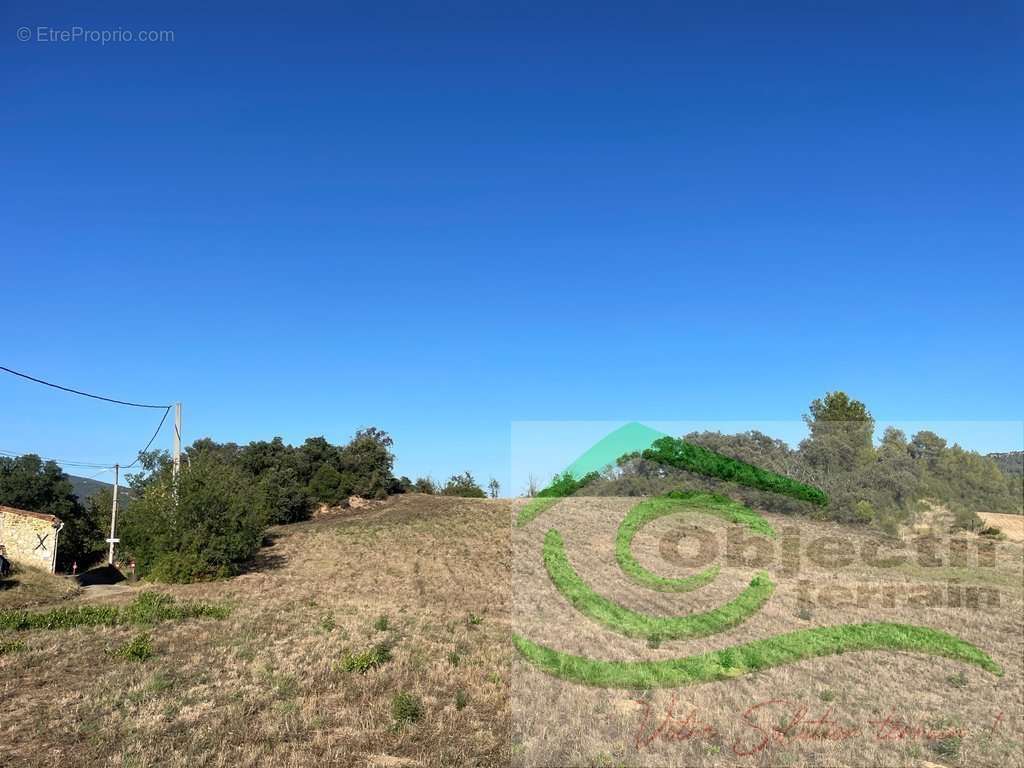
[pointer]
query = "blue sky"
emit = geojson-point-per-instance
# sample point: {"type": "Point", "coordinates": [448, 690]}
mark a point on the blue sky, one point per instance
{"type": "Point", "coordinates": [441, 219]}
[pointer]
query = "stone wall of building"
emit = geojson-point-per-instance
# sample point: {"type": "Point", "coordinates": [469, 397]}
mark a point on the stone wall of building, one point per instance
{"type": "Point", "coordinates": [29, 538]}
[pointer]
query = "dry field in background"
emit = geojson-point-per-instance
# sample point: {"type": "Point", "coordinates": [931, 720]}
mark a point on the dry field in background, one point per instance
{"type": "Point", "coordinates": [263, 686]}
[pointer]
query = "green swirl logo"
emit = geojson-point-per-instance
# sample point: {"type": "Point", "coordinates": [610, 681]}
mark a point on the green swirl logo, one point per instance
{"type": "Point", "coordinates": [730, 662]}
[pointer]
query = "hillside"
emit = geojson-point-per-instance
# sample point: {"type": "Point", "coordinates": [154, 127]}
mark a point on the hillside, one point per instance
{"type": "Point", "coordinates": [1011, 463]}
{"type": "Point", "coordinates": [382, 637]}
{"type": "Point", "coordinates": [85, 487]}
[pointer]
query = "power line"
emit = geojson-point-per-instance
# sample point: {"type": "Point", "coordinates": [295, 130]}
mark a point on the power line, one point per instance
{"type": "Point", "coordinates": [80, 392]}
{"type": "Point", "coordinates": [158, 428]}
{"type": "Point", "coordinates": [66, 462]}
{"type": "Point", "coordinates": [94, 465]}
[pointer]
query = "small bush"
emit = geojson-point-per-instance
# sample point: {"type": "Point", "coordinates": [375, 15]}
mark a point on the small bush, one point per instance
{"type": "Point", "coordinates": [406, 708]}
{"type": "Point", "coordinates": [463, 485]}
{"type": "Point", "coordinates": [473, 620]}
{"type": "Point", "coordinates": [139, 648]}
{"type": "Point", "coordinates": [461, 699]}
{"type": "Point", "coordinates": [11, 646]}
{"type": "Point", "coordinates": [381, 623]}
{"type": "Point", "coordinates": [453, 659]}
{"type": "Point", "coordinates": [827, 695]}
{"type": "Point", "coordinates": [363, 661]}
{"type": "Point", "coordinates": [327, 623]}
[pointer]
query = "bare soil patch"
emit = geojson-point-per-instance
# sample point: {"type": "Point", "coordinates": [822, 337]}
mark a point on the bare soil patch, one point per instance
{"type": "Point", "coordinates": [1011, 525]}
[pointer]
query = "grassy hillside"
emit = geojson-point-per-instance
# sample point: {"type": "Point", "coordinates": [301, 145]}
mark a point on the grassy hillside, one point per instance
{"type": "Point", "coordinates": [383, 637]}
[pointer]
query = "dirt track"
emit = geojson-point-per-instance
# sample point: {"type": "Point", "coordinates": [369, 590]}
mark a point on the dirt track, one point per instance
{"type": "Point", "coordinates": [1011, 525]}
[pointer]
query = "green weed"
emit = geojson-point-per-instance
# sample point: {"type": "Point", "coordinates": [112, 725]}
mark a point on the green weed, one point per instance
{"type": "Point", "coordinates": [11, 646]}
{"type": "Point", "coordinates": [139, 648]}
{"type": "Point", "coordinates": [363, 661]}
{"type": "Point", "coordinates": [406, 708]}
{"type": "Point", "coordinates": [148, 608]}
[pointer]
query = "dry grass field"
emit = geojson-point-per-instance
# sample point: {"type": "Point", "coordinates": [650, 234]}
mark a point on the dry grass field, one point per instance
{"type": "Point", "coordinates": [264, 687]}
{"type": "Point", "coordinates": [443, 583]}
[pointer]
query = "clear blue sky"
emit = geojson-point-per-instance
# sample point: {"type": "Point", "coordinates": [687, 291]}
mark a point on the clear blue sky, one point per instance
{"type": "Point", "coordinates": [440, 218]}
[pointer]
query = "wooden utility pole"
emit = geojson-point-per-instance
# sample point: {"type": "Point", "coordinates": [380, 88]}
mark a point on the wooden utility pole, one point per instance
{"type": "Point", "coordinates": [177, 440]}
{"type": "Point", "coordinates": [113, 516]}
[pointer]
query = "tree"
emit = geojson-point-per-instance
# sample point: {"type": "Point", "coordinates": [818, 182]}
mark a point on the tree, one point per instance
{"type": "Point", "coordinates": [424, 485]}
{"type": "Point", "coordinates": [463, 485]}
{"type": "Point", "coordinates": [207, 526]}
{"type": "Point", "coordinates": [494, 487]}
{"type": "Point", "coordinates": [927, 446]}
{"type": "Point", "coordinates": [367, 460]}
{"type": "Point", "coordinates": [841, 433]}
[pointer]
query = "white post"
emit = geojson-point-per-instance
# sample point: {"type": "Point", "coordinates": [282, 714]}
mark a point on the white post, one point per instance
{"type": "Point", "coordinates": [113, 515]}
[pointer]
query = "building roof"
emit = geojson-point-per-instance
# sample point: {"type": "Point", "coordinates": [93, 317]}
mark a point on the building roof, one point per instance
{"type": "Point", "coordinates": [25, 513]}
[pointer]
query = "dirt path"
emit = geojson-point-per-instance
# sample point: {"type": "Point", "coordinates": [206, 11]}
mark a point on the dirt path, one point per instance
{"type": "Point", "coordinates": [1011, 525]}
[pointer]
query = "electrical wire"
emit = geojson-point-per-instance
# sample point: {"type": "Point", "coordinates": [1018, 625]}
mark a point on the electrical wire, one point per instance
{"type": "Point", "coordinates": [80, 392]}
{"type": "Point", "coordinates": [158, 428]}
{"type": "Point", "coordinates": [92, 465]}
{"type": "Point", "coordinates": [67, 462]}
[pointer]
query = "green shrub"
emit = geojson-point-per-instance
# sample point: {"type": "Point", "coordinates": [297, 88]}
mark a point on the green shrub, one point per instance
{"type": "Point", "coordinates": [406, 708]}
{"type": "Point", "coordinates": [208, 527]}
{"type": "Point", "coordinates": [463, 485]}
{"type": "Point", "coordinates": [461, 699]}
{"type": "Point", "coordinates": [183, 568]}
{"type": "Point", "coordinates": [453, 659]}
{"type": "Point", "coordinates": [566, 484]}
{"type": "Point", "coordinates": [11, 646]}
{"type": "Point", "coordinates": [363, 661]}
{"type": "Point", "coordinates": [381, 623]}
{"type": "Point", "coordinates": [139, 648]}
{"type": "Point", "coordinates": [148, 608]}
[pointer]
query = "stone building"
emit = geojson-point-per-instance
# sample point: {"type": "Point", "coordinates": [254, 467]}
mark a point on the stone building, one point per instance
{"type": "Point", "coordinates": [29, 538]}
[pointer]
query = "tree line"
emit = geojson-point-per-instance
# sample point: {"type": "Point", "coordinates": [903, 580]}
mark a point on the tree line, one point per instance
{"type": "Point", "coordinates": [212, 519]}
{"type": "Point", "coordinates": [865, 482]}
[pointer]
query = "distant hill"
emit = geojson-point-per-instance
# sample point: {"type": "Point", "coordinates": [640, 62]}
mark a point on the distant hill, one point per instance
{"type": "Point", "coordinates": [1011, 463]}
{"type": "Point", "coordinates": [85, 487]}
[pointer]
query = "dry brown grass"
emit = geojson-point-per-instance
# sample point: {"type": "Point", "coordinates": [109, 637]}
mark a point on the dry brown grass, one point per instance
{"type": "Point", "coordinates": [263, 686]}
{"type": "Point", "coordinates": [1011, 525]}
{"type": "Point", "coordinates": [30, 587]}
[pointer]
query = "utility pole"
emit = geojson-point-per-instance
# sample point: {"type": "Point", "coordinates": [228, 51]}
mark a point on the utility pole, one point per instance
{"type": "Point", "coordinates": [177, 441]}
{"type": "Point", "coordinates": [113, 516]}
